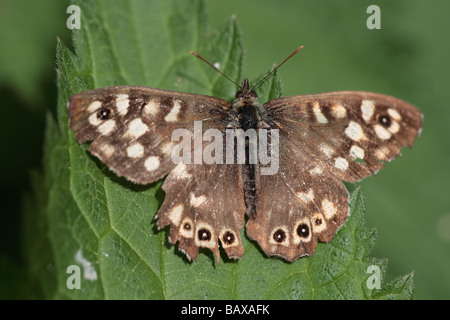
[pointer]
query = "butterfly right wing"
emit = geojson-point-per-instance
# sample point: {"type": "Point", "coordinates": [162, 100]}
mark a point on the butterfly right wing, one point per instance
{"type": "Point", "coordinates": [324, 138]}
{"type": "Point", "coordinates": [350, 133]}
{"type": "Point", "coordinates": [297, 206]}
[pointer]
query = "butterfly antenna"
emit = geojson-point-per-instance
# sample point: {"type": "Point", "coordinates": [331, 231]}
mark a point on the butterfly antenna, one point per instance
{"type": "Point", "coordinates": [214, 67]}
{"type": "Point", "coordinates": [276, 68]}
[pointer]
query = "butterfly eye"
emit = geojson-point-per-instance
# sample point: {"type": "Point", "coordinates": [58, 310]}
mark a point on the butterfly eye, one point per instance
{"type": "Point", "coordinates": [385, 121]}
{"type": "Point", "coordinates": [104, 113]}
{"type": "Point", "coordinates": [239, 94]}
{"type": "Point", "coordinates": [253, 94]}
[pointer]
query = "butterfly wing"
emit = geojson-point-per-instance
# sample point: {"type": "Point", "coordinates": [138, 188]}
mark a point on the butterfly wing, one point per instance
{"type": "Point", "coordinates": [131, 127]}
{"type": "Point", "coordinates": [131, 132]}
{"type": "Point", "coordinates": [349, 133]}
{"type": "Point", "coordinates": [204, 203]}
{"type": "Point", "coordinates": [324, 139]}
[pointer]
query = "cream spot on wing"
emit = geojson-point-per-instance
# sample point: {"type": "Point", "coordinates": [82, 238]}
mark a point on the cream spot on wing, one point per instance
{"type": "Point", "coordinates": [326, 149]}
{"type": "Point", "coordinates": [173, 114]}
{"type": "Point", "coordinates": [180, 171]}
{"type": "Point", "coordinates": [341, 163]}
{"type": "Point", "coordinates": [354, 131]}
{"type": "Point", "coordinates": [135, 150]}
{"type": "Point", "coordinates": [94, 106]}
{"type": "Point", "coordinates": [152, 108]}
{"type": "Point", "coordinates": [316, 171]}
{"type": "Point", "coordinates": [187, 228]}
{"type": "Point", "coordinates": [382, 153]}
{"type": "Point", "coordinates": [136, 128]}
{"type": "Point", "coordinates": [94, 120]}
{"type": "Point", "coordinates": [382, 132]}
{"type": "Point", "coordinates": [107, 127]}
{"type": "Point", "coordinates": [329, 209]}
{"type": "Point", "coordinates": [338, 111]}
{"type": "Point", "coordinates": [306, 197]}
{"type": "Point", "coordinates": [152, 163]}
{"type": "Point", "coordinates": [167, 148]}
{"type": "Point", "coordinates": [318, 222]}
{"type": "Point", "coordinates": [394, 114]}
{"type": "Point", "coordinates": [197, 201]}
{"type": "Point", "coordinates": [356, 152]}
{"type": "Point", "coordinates": [318, 113]}
{"type": "Point", "coordinates": [176, 213]}
{"type": "Point", "coordinates": [394, 127]}
{"type": "Point", "coordinates": [107, 149]}
{"type": "Point", "coordinates": [122, 103]}
{"type": "Point", "coordinates": [367, 109]}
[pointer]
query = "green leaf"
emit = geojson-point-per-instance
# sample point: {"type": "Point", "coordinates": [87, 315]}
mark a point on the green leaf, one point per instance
{"type": "Point", "coordinates": [105, 224]}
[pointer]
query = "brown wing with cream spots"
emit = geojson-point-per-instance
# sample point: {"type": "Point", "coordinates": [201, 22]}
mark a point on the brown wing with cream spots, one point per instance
{"type": "Point", "coordinates": [204, 203]}
{"type": "Point", "coordinates": [324, 139]}
{"type": "Point", "coordinates": [131, 127]}
{"type": "Point", "coordinates": [296, 206]}
{"type": "Point", "coordinates": [349, 133]}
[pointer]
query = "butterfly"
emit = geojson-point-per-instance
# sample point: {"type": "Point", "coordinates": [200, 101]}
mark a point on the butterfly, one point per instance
{"type": "Point", "coordinates": [321, 139]}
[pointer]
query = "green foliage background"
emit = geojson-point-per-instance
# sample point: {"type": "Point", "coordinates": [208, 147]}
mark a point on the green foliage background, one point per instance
{"type": "Point", "coordinates": [408, 202]}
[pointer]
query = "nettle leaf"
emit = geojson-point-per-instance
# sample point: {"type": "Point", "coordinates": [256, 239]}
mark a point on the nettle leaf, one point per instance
{"type": "Point", "coordinates": [105, 224]}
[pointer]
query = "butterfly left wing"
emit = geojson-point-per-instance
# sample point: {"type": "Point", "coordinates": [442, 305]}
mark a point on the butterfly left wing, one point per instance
{"type": "Point", "coordinates": [204, 203]}
{"type": "Point", "coordinates": [324, 139]}
{"type": "Point", "coordinates": [131, 127]}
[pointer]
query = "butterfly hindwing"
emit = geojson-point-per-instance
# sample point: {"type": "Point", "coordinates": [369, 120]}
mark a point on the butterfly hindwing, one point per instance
{"type": "Point", "coordinates": [297, 206]}
{"type": "Point", "coordinates": [204, 204]}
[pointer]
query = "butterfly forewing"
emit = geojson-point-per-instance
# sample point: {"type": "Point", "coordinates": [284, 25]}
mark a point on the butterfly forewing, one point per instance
{"type": "Point", "coordinates": [131, 127]}
{"type": "Point", "coordinates": [349, 133]}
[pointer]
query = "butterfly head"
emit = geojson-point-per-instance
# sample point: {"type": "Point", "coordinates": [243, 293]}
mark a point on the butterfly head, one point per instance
{"type": "Point", "coordinates": [247, 107]}
{"type": "Point", "coordinates": [245, 96]}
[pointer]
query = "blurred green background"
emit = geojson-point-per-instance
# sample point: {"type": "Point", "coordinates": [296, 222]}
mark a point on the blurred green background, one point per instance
{"type": "Point", "coordinates": [408, 201]}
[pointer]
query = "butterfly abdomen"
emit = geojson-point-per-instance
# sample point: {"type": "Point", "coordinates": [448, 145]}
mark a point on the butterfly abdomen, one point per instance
{"type": "Point", "coordinates": [248, 119]}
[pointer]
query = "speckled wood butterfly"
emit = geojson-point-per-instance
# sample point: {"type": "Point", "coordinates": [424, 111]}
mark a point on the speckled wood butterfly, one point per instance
{"type": "Point", "coordinates": [324, 139]}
